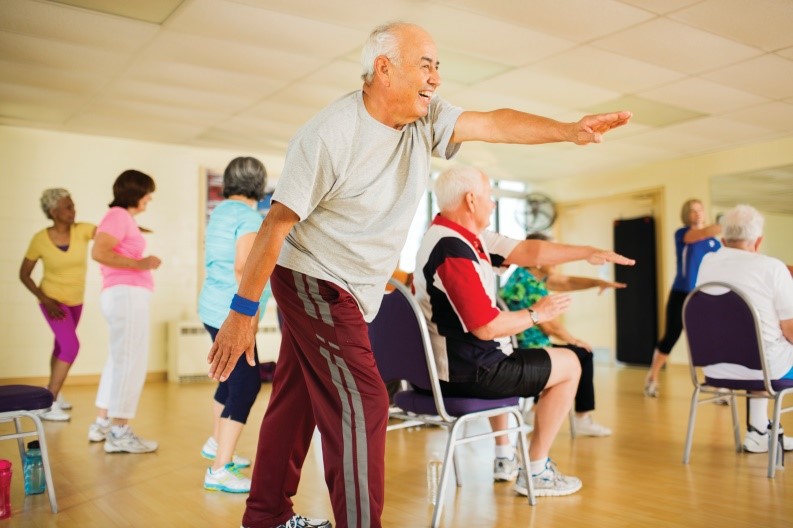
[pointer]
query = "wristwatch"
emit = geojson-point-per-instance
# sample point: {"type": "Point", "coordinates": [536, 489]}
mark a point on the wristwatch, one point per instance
{"type": "Point", "coordinates": [534, 317]}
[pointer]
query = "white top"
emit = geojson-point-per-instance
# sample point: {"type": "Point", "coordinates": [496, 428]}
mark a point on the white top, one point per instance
{"type": "Point", "coordinates": [356, 183]}
{"type": "Point", "coordinates": [767, 283]}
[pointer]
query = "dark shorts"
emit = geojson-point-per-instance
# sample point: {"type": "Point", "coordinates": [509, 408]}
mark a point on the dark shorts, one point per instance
{"type": "Point", "coordinates": [523, 373]}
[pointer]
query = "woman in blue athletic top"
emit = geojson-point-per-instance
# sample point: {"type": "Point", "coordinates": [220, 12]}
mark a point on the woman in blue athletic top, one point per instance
{"type": "Point", "coordinates": [692, 242]}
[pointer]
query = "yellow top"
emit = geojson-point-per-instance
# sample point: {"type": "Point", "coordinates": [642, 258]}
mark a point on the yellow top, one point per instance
{"type": "Point", "coordinates": [64, 271]}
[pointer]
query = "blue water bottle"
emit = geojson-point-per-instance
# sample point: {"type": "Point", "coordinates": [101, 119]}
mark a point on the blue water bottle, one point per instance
{"type": "Point", "coordinates": [35, 482]}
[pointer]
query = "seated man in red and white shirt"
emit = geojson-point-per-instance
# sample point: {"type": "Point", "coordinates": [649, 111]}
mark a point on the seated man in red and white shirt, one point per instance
{"type": "Point", "coordinates": [455, 285]}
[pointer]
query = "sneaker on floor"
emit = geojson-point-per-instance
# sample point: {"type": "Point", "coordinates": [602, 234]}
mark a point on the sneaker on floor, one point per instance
{"type": "Point", "coordinates": [548, 483]}
{"type": "Point", "coordinates": [298, 521]}
{"type": "Point", "coordinates": [228, 479]}
{"type": "Point", "coordinates": [56, 414]}
{"type": "Point", "coordinates": [98, 431]}
{"type": "Point", "coordinates": [63, 403]}
{"type": "Point", "coordinates": [757, 442]}
{"type": "Point", "coordinates": [505, 469]}
{"type": "Point", "coordinates": [587, 427]}
{"type": "Point", "coordinates": [127, 442]}
{"type": "Point", "coordinates": [651, 389]}
{"type": "Point", "coordinates": [210, 451]}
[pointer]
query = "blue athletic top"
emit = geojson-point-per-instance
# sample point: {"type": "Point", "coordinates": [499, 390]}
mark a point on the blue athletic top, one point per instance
{"type": "Point", "coordinates": [689, 257]}
{"type": "Point", "coordinates": [230, 220]}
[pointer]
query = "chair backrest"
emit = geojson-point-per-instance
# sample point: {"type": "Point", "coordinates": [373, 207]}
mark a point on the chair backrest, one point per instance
{"type": "Point", "coordinates": [400, 340]}
{"type": "Point", "coordinates": [721, 327]}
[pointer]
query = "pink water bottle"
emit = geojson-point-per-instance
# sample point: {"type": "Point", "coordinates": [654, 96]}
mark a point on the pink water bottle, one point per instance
{"type": "Point", "coordinates": [5, 489]}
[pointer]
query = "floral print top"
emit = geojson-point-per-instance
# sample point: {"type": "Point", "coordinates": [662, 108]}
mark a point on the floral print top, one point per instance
{"type": "Point", "coordinates": [520, 292]}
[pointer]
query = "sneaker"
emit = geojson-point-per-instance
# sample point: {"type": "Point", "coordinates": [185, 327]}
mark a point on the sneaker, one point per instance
{"type": "Point", "coordinates": [505, 469]}
{"type": "Point", "coordinates": [651, 389]}
{"type": "Point", "coordinates": [587, 427]}
{"type": "Point", "coordinates": [98, 431]}
{"type": "Point", "coordinates": [228, 479]}
{"type": "Point", "coordinates": [298, 521]}
{"type": "Point", "coordinates": [548, 483]}
{"type": "Point", "coordinates": [55, 414]}
{"type": "Point", "coordinates": [128, 442]}
{"type": "Point", "coordinates": [757, 442]}
{"type": "Point", "coordinates": [210, 451]}
{"type": "Point", "coordinates": [63, 403]}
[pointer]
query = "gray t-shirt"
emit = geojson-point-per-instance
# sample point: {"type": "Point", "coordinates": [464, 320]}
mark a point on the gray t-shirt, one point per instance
{"type": "Point", "coordinates": [356, 183]}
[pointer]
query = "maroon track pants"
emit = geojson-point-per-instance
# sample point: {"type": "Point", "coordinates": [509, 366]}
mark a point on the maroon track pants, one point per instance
{"type": "Point", "coordinates": [326, 376]}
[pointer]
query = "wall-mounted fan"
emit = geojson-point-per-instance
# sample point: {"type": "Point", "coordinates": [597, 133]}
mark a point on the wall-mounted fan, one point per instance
{"type": "Point", "coordinates": [539, 214]}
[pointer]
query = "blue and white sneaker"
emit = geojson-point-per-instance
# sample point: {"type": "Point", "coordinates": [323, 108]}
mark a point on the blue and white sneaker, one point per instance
{"type": "Point", "coordinates": [228, 479]}
{"type": "Point", "coordinates": [298, 521]}
{"type": "Point", "coordinates": [547, 483]}
{"type": "Point", "coordinates": [210, 451]}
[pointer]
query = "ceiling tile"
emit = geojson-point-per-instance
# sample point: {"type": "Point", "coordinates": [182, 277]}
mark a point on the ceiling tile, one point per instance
{"type": "Point", "coordinates": [579, 20]}
{"type": "Point", "coordinates": [774, 116]}
{"type": "Point", "coordinates": [155, 11]}
{"type": "Point", "coordinates": [786, 53]}
{"type": "Point", "coordinates": [38, 104]}
{"type": "Point", "coordinates": [545, 88]}
{"type": "Point", "coordinates": [645, 111]}
{"type": "Point", "coordinates": [466, 69]}
{"type": "Point", "coordinates": [233, 56]}
{"type": "Point", "coordinates": [768, 76]}
{"type": "Point", "coordinates": [43, 52]}
{"type": "Point", "coordinates": [495, 40]}
{"type": "Point", "coordinates": [661, 6]}
{"type": "Point", "coordinates": [149, 92]}
{"type": "Point", "coordinates": [133, 127]}
{"type": "Point", "coordinates": [606, 69]}
{"type": "Point", "coordinates": [765, 24]}
{"type": "Point", "coordinates": [235, 22]}
{"type": "Point", "coordinates": [55, 22]}
{"type": "Point", "coordinates": [64, 80]}
{"type": "Point", "coordinates": [702, 96]}
{"type": "Point", "coordinates": [676, 46]}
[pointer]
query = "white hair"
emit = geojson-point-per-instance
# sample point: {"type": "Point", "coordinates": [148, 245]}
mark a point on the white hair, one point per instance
{"type": "Point", "coordinates": [50, 198]}
{"type": "Point", "coordinates": [742, 223]}
{"type": "Point", "coordinates": [453, 183]}
{"type": "Point", "coordinates": [382, 41]}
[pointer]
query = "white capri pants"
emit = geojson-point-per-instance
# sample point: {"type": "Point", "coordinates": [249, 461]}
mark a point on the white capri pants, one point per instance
{"type": "Point", "coordinates": [126, 309]}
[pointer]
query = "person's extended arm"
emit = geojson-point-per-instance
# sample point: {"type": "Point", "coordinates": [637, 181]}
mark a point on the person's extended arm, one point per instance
{"type": "Point", "coordinates": [103, 253]}
{"type": "Point", "coordinates": [695, 235]}
{"type": "Point", "coordinates": [51, 305]}
{"type": "Point", "coordinates": [512, 126]}
{"type": "Point", "coordinates": [561, 282]}
{"type": "Point", "coordinates": [508, 323]}
{"type": "Point", "coordinates": [234, 336]}
{"type": "Point", "coordinates": [541, 253]}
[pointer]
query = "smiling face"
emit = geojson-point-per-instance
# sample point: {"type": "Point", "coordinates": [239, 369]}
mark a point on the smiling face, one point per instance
{"type": "Point", "coordinates": [64, 211]}
{"type": "Point", "coordinates": [414, 80]}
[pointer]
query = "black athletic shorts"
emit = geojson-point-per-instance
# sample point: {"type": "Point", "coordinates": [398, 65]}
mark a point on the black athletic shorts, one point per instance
{"type": "Point", "coordinates": [524, 373]}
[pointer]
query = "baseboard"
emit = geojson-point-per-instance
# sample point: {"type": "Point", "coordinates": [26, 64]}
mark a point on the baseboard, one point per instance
{"type": "Point", "coordinates": [76, 380]}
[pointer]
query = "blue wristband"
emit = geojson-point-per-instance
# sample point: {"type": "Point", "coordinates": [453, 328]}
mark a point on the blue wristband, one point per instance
{"type": "Point", "coordinates": [244, 306]}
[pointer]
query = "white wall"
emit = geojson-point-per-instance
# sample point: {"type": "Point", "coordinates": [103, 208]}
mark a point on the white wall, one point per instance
{"type": "Point", "coordinates": [32, 160]}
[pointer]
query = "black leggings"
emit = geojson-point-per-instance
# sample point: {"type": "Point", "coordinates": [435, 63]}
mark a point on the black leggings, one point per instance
{"type": "Point", "coordinates": [239, 391]}
{"type": "Point", "coordinates": [585, 395]}
{"type": "Point", "coordinates": [674, 321]}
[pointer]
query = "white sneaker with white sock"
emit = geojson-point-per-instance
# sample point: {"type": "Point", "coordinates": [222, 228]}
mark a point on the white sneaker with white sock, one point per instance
{"type": "Point", "coordinates": [757, 442]}
{"type": "Point", "coordinates": [123, 440]}
{"type": "Point", "coordinates": [228, 479]}
{"type": "Point", "coordinates": [586, 426]}
{"type": "Point", "coordinates": [65, 405]}
{"type": "Point", "coordinates": [56, 414]}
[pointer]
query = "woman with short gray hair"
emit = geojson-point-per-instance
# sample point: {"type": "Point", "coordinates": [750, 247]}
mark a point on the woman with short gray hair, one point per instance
{"type": "Point", "coordinates": [63, 249]}
{"type": "Point", "coordinates": [230, 232]}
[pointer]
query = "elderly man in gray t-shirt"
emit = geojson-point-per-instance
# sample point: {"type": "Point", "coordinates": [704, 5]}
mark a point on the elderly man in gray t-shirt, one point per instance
{"type": "Point", "coordinates": [351, 183]}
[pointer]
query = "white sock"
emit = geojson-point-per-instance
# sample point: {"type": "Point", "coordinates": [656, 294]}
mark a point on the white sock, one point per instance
{"type": "Point", "coordinates": [119, 430]}
{"type": "Point", "coordinates": [104, 422]}
{"type": "Point", "coordinates": [504, 451]}
{"type": "Point", "coordinates": [537, 466]}
{"type": "Point", "coordinates": [758, 413]}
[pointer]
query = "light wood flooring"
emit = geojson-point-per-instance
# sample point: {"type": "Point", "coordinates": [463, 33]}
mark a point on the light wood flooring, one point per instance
{"type": "Point", "coordinates": [634, 478]}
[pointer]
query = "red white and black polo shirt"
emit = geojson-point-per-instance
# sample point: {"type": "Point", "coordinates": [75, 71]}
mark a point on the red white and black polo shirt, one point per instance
{"type": "Point", "coordinates": [455, 284]}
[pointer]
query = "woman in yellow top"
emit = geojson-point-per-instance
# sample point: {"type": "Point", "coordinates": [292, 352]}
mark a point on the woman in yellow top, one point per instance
{"type": "Point", "coordinates": [63, 248]}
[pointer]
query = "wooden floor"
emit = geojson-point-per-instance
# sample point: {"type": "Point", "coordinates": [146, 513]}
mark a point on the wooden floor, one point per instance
{"type": "Point", "coordinates": [633, 479]}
